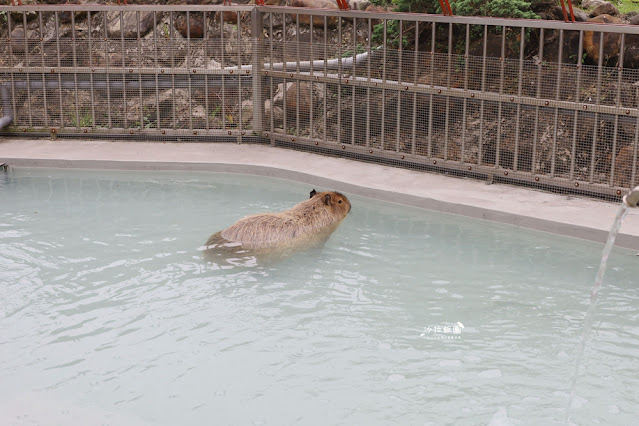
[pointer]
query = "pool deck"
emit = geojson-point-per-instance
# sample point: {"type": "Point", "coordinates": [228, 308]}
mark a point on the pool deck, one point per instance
{"type": "Point", "coordinates": [573, 216]}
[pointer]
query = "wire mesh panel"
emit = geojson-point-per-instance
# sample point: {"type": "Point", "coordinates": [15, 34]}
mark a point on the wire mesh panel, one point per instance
{"type": "Point", "coordinates": [131, 71]}
{"type": "Point", "coordinates": [538, 103]}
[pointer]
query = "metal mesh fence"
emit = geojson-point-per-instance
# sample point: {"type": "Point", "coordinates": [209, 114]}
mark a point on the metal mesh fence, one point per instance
{"type": "Point", "coordinates": [538, 103]}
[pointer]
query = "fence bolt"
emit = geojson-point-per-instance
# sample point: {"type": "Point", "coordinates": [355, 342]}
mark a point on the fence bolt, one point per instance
{"type": "Point", "coordinates": [229, 133]}
{"type": "Point", "coordinates": [24, 130]}
{"type": "Point", "coordinates": [618, 192]}
{"type": "Point", "coordinates": [576, 184]}
{"type": "Point", "coordinates": [195, 132]}
{"type": "Point", "coordinates": [402, 157]}
{"type": "Point", "coordinates": [439, 91]}
{"type": "Point", "coordinates": [265, 72]}
{"type": "Point", "coordinates": [405, 87]}
{"type": "Point", "coordinates": [585, 106]}
{"type": "Point", "coordinates": [130, 132]}
{"type": "Point", "coordinates": [164, 132]}
{"type": "Point", "coordinates": [231, 72]}
{"type": "Point", "coordinates": [52, 70]}
{"type": "Point", "coordinates": [627, 111]}
{"type": "Point", "coordinates": [92, 69]}
{"type": "Point", "coordinates": [470, 168]}
{"type": "Point", "coordinates": [546, 103]}
{"type": "Point", "coordinates": [53, 130]}
{"type": "Point", "coordinates": [536, 178]}
{"type": "Point", "coordinates": [242, 133]}
{"type": "Point", "coordinates": [292, 139]}
{"type": "Point", "coordinates": [434, 161]}
{"type": "Point", "coordinates": [472, 95]}
{"type": "Point", "coordinates": [162, 71]}
{"type": "Point", "coordinates": [512, 99]}
{"type": "Point", "coordinates": [505, 173]}
{"type": "Point", "coordinates": [194, 70]}
{"type": "Point", "coordinates": [86, 131]}
{"type": "Point", "coordinates": [343, 146]}
{"type": "Point", "coordinates": [130, 70]}
{"type": "Point", "coordinates": [248, 72]}
{"type": "Point", "coordinates": [345, 81]}
{"type": "Point", "coordinates": [20, 69]}
{"type": "Point", "coordinates": [370, 151]}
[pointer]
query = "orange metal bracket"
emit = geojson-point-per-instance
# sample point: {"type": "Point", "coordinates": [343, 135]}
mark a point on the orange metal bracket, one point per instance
{"type": "Point", "coordinates": [342, 4]}
{"type": "Point", "coordinates": [446, 10]}
{"type": "Point", "coordinates": [572, 13]}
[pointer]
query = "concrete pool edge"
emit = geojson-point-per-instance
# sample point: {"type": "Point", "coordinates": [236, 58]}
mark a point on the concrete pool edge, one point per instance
{"type": "Point", "coordinates": [577, 217]}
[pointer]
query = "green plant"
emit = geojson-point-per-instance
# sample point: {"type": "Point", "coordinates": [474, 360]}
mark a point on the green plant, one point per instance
{"type": "Point", "coordinates": [497, 8]}
{"type": "Point", "coordinates": [84, 120]}
{"type": "Point", "coordinates": [146, 123]}
{"type": "Point", "coordinates": [215, 111]}
{"type": "Point", "coordinates": [360, 48]}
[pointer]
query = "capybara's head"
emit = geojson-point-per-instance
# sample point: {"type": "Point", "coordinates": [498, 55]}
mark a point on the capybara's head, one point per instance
{"type": "Point", "coordinates": [336, 202]}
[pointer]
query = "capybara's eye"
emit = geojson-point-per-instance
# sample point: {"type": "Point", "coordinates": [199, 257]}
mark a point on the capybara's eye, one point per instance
{"type": "Point", "coordinates": [340, 201]}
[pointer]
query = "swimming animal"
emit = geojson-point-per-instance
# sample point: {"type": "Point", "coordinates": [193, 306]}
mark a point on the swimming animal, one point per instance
{"type": "Point", "coordinates": [308, 223]}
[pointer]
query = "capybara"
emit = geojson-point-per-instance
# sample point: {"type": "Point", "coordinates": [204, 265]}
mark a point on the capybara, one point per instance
{"type": "Point", "coordinates": [307, 223]}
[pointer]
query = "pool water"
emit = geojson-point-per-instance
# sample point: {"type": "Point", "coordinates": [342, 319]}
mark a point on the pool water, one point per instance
{"type": "Point", "coordinates": [111, 315]}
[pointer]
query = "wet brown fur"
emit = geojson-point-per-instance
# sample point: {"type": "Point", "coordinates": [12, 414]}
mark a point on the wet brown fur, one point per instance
{"type": "Point", "coordinates": [310, 221]}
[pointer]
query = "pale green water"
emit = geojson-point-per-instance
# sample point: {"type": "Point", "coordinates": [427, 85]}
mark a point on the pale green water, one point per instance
{"type": "Point", "coordinates": [110, 315]}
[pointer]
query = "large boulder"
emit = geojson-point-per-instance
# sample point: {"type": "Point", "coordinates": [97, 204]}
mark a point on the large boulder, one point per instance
{"type": "Point", "coordinates": [623, 166]}
{"type": "Point", "coordinates": [611, 41]}
{"type": "Point", "coordinates": [317, 19]}
{"type": "Point", "coordinates": [592, 4]}
{"type": "Point", "coordinates": [128, 25]}
{"type": "Point", "coordinates": [605, 8]}
{"type": "Point", "coordinates": [195, 25]}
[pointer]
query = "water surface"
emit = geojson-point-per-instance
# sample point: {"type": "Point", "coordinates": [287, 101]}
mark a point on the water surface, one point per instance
{"type": "Point", "coordinates": [110, 314]}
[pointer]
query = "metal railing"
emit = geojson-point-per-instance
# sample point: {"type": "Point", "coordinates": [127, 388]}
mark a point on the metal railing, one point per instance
{"type": "Point", "coordinates": [539, 103]}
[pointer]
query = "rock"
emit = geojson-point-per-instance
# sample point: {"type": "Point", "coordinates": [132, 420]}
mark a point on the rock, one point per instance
{"type": "Point", "coordinates": [17, 41]}
{"type": "Point", "coordinates": [377, 9]}
{"type": "Point", "coordinates": [130, 24]}
{"type": "Point", "coordinates": [557, 13]}
{"type": "Point", "coordinates": [235, 50]}
{"type": "Point", "coordinates": [606, 8]}
{"type": "Point", "coordinates": [633, 20]}
{"type": "Point", "coordinates": [592, 4]}
{"type": "Point", "coordinates": [309, 95]}
{"type": "Point", "coordinates": [247, 113]}
{"type": "Point", "coordinates": [17, 16]}
{"type": "Point", "coordinates": [631, 55]}
{"type": "Point", "coordinates": [65, 17]}
{"type": "Point", "coordinates": [276, 111]}
{"type": "Point", "coordinates": [318, 21]}
{"type": "Point", "coordinates": [358, 4]}
{"type": "Point", "coordinates": [304, 103]}
{"type": "Point", "coordinates": [580, 15]}
{"type": "Point", "coordinates": [623, 166]}
{"type": "Point", "coordinates": [611, 41]}
{"type": "Point", "coordinates": [195, 25]}
{"type": "Point", "coordinates": [230, 17]}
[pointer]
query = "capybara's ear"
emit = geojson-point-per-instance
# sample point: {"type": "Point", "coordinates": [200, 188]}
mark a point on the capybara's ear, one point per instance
{"type": "Point", "coordinates": [313, 192]}
{"type": "Point", "coordinates": [327, 199]}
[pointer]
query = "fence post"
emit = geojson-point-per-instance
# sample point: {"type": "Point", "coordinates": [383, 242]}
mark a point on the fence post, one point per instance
{"type": "Point", "coordinates": [256, 72]}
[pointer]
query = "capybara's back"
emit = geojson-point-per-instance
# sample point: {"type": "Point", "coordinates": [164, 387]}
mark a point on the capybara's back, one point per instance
{"type": "Point", "coordinates": [306, 223]}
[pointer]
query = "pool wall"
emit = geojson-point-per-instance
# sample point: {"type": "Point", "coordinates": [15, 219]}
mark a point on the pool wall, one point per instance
{"type": "Point", "coordinates": [571, 215]}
